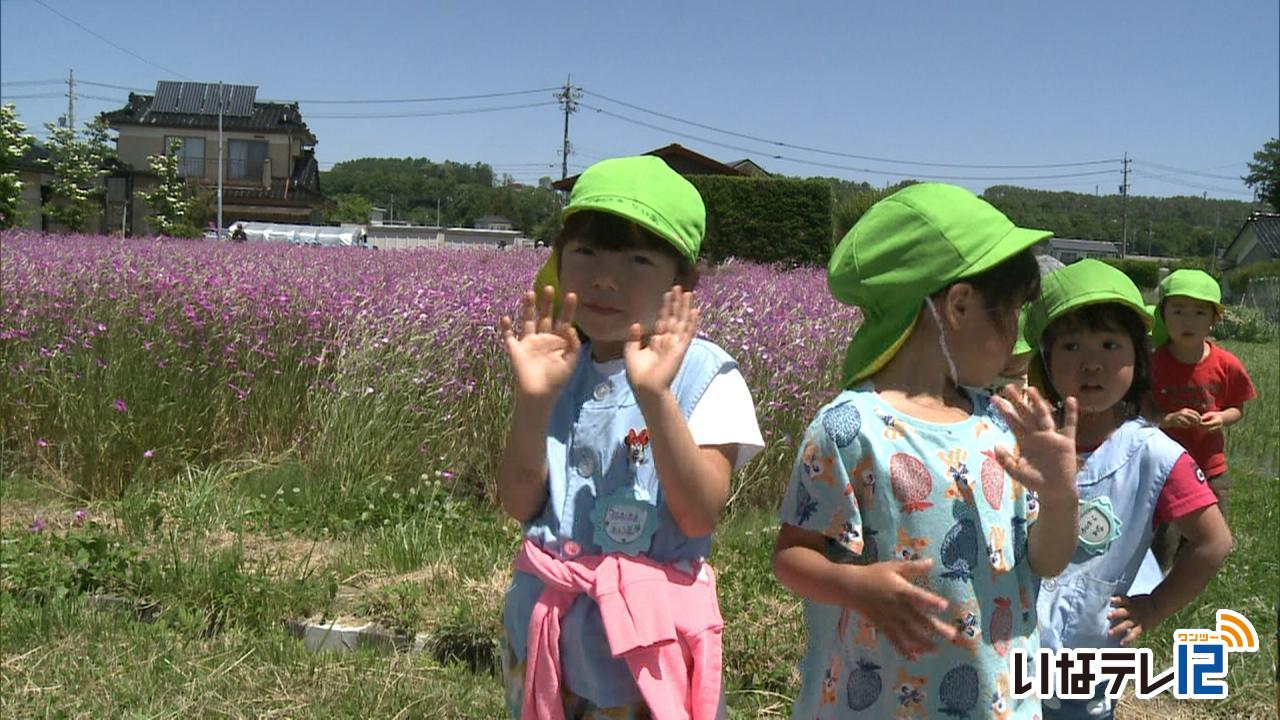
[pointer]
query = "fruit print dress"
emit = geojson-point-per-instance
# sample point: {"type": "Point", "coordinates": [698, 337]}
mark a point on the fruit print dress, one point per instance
{"type": "Point", "coordinates": [881, 485]}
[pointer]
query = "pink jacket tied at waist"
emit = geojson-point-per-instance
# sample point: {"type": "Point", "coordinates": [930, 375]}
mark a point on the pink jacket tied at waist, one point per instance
{"type": "Point", "coordinates": [674, 657]}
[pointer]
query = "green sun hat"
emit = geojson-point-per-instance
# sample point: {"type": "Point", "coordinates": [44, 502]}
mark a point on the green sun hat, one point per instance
{"type": "Point", "coordinates": [906, 247]}
{"type": "Point", "coordinates": [644, 190]}
{"type": "Point", "coordinates": [1021, 346]}
{"type": "Point", "coordinates": [1087, 282]}
{"type": "Point", "coordinates": [1195, 284]}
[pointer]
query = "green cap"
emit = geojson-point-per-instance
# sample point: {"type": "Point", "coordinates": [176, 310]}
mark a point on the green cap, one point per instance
{"type": "Point", "coordinates": [644, 190]}
{"type": "Point", "coordinates": [1087, 282]}
{"type": "Point", "coordinates": [1195, 284]}
{"type": "Point", "coordinates": [1022, 347]}
{"type": "Point", "coordinates": [906, 247]}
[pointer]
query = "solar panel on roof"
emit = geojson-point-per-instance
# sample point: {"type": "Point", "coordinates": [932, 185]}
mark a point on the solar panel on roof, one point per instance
{"type": "Point", "coordinates": [191, 98]}
{"type": "Point", "coordinates": [166, 99]}
{"type": "Point", "coordinates": [202, 98]}
{"type": "Point", "coordinates": [242, 98]}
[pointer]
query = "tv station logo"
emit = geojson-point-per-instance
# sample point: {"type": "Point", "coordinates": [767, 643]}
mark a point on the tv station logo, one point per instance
{"type": "Point", "coordinates": [1199, 672]}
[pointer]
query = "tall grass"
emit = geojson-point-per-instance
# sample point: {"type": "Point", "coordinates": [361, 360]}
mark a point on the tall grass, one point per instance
{"type": "Point", "coordinates": [128, 360]}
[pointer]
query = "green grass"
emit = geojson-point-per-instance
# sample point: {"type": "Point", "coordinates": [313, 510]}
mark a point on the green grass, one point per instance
{"type": "Point", "coordinates": [230, 551]}
{"type": "Point", "coordinates": [1249, 583]}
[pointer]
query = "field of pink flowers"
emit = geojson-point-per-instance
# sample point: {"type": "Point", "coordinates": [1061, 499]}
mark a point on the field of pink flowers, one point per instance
{"type": "Point", "coordinates": [131, 359]}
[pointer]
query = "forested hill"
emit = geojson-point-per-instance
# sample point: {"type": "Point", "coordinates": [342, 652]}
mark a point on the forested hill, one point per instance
{"type": "Point", "coordinates": [1173, 226]}
{"type": "Point", "coordinates": [1178, 226]}
{"type": "Point", "coordinates": [416, 189]}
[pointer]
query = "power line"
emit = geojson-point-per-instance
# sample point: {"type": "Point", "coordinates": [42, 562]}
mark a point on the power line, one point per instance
{"type": "Point", "coordinates": [390, 101]}
{"type": "Point", "coordinates": [34, 96]}
{"type": "Point", "coordinates": [833, 166]}
{"type": "Point", "coordinates": [115, 87]}
{"type": "Point", "coordinates": [1183, 171]}
{"type": "Point", "coordinates": [122, 49]}
{"type": "Point", "coordinates": [837, 153]}
{"type": "Point", "coordinates": [30, 82]}
{"type": "Point", "coordinates": [469, 111]}
{"type": "Point", "coordinates": [1166, 179]}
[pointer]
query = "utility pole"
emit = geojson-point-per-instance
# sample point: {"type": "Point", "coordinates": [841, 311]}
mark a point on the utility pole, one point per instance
{"type": "Point", "coordinates": [71, 101]}
{"type": "Point", "coordinates": [391, 213]}
{"type": "Point", "coordinates": [1124, 209]}
{"type": "Point", "coordinates": [1148, 235]}
{"type": "Point", "coordinates": [220, 97]}
{"type": "Point", "coordinates": [568, 97]}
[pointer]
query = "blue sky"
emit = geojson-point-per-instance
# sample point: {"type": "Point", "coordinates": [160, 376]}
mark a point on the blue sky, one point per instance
{"type": "Point", "coordinates": [1189, 89]}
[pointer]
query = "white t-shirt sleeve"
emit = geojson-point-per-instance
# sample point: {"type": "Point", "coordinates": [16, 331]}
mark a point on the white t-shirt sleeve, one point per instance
{"type": "Point", "coordinates": [726, 415]}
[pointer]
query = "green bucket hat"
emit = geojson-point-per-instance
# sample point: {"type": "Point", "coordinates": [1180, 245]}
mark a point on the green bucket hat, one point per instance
{"type": "Point", "coordinates": [1195, 284]}
{"type": "Point", "coordinates": [644, 190]}
{"type": "Point", "coordinates": [1087, 282]}
{"type": "Point", "coordinates": [1022, 347]}
{"type": "Point", "coordinates": [906, 247]}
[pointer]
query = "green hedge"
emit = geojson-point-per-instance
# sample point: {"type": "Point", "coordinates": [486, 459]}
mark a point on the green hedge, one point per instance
{"type": "Point", "coordinates": [1146, 273]}
{"type": "Point", "coordinates": [766, 219]}
{"type": "Point", "coordinates": [1240, 277]}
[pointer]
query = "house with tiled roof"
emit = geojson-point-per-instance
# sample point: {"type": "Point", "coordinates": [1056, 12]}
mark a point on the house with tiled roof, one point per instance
{"type": "Point", "coordinates": [682, 160]}
{"type": "Point", "coordinates": [1258, 240]}
{"type": "Point", "coordinates": [269, 169]}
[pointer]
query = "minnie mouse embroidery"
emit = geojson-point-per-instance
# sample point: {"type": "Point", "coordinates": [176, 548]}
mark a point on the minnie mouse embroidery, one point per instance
{"type": "Point", "coordinates": [637, 445]}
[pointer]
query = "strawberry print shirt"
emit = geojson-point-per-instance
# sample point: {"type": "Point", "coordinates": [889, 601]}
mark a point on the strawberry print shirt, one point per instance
{"type": "Point", "coordinates": [881, 485]}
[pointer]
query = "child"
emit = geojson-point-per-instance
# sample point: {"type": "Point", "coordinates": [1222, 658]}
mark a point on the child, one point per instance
{"type": "Point", "coordinates": [1090, 325]}
{"type": "Point", "coordinates": [1014, 371]}
{"type": "Point", "coordinates": [1015, 368]}
{"type": "Point", "coordinates": [1199, 387]}
{"type": "Point", "coordinates": [915, 552]}
{"type": "Point", "coordinates": [624, 435]}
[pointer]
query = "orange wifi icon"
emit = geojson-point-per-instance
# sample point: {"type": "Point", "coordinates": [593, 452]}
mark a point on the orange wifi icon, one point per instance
{"type": "Point", "coordinates": [1236, 632]}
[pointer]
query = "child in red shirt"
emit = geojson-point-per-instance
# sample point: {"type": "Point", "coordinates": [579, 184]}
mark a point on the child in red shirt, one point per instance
{"type": "Point", "coordinates": [1198, 386]}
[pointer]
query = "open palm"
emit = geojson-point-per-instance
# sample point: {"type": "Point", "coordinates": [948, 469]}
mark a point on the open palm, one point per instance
{"type": "Point", "coordinates": [1046, 457]}
{"type": "Point", "coordinates": [545, 353]}
{"type": "Point", "coordinates": [652, 365]}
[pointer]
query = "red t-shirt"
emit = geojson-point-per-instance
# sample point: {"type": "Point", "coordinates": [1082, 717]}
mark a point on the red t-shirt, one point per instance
{"type": "Point", "coordinates": [1184, 492]}
{"type": "Point", "coordinates": [1217, 382]}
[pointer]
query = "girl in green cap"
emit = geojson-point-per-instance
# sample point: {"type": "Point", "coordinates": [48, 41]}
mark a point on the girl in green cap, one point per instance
{"type": "Point", "coordinates": [1199, 386]}
{"type": "Point", "coordinates": [1090, 326]}
{"type": "Point", "coordinates": [909, 526]}
{"type": "Point", "coordinates": [625, 432]}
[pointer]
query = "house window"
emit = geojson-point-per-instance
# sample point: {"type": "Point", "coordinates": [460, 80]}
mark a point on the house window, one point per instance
{"type": "Point", "coordinates": [245, 159]}
{"type": "Point", "coordinates": [190, 155]}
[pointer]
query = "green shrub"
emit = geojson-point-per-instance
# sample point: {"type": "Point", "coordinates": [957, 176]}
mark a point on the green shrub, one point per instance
{"type": "Point", "coordinates": [766, 219]}
{"type": "Point", "coordinates": [45, 565]}
{"type": "Point", "coordinates": [1244, 323]}
{"type": "Point", "coordinates": [1146, 273]}
{"type": "Point", "coordinates": [1239, 277]}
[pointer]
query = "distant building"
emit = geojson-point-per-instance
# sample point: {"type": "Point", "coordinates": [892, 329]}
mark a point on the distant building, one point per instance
{"type": "Point", "coordinates": [269, 168]}
{"type": "Point", "coordinates": [494, 222]}
{"type": "Point", "coordinates": [1069, 250]}
{"type": "Point", "coordinates": [35, 174]}
{"type": "Point", "coordinates": [747, 166]}
{"type": "Point", "coordinates": [1258, 240]}
{"type": "Point", "coordinates": [682, 160]}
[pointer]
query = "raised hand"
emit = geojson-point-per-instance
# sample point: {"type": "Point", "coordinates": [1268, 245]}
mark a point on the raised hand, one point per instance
{"type": "Point", "coordinates": [652, 366]}
{"type": "Point", "coordinates": [1046, 459]}
{"type": "Point", "coordinates": [546, 351]}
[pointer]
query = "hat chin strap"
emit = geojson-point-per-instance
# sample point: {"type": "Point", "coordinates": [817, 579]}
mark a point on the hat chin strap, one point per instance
{"type": "Point", "coordinates": [942, 342]}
